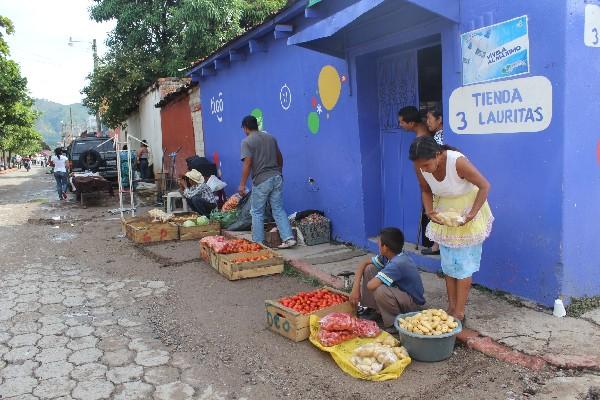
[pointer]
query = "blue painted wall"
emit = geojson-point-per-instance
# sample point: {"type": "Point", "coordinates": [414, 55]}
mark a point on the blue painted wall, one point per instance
{"type": "Point", "coordinates": [523, 255]}
{"type": "Point", "coordinates": [331, 157]}
{"type": "Point", "coordinates": [581, 253]}
{"type": "Point", "coordinates": [541, 246]}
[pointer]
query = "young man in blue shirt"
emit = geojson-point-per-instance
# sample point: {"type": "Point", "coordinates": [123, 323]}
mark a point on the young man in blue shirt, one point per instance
{"type": "Point", "coordinates": [394, 289]}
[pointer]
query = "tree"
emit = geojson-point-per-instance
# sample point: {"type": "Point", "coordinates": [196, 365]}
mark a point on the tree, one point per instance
{"type": "Point", "coordinates": [17, 117]}
{"type": "Point", "coordinates": [8, 27]}
{"type": "Point", "coordinates": [156, 38]}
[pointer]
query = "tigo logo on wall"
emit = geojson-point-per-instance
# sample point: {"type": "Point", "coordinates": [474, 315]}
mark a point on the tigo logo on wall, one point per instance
{"type": "Point", "coordinates": [217, 106]}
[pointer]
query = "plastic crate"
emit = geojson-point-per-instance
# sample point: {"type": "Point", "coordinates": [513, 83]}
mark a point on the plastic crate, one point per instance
{"type": "Point", "coordinates": [316, 232]}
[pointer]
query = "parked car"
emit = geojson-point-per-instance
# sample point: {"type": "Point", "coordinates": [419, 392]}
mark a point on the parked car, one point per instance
{"type": "Point", "coordinates": [95, 154]}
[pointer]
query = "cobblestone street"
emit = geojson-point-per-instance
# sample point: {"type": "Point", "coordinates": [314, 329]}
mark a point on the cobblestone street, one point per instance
{"type": "Point", "coordinates": [66, 334]}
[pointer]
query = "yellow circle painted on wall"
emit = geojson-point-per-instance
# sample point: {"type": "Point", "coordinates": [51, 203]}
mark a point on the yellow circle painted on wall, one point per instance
{"type": "Point", "coordinates": [330, 86]}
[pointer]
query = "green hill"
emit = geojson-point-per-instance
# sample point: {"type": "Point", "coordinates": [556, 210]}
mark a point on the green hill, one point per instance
{"type": "Point", "coordinates": [49, 123]}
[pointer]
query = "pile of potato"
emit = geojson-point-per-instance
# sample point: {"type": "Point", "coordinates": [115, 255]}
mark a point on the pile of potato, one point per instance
{"type": "Point", "coordinates": [430, 322]}
{"type": "Point", "coordinates": [372, 358]}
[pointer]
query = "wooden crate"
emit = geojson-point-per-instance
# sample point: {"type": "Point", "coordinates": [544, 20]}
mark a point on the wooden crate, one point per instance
{"type": "Point", "coordinates": [294, 325]}
{"type": "Point", "coordinates": [251, 269]}
{"type": "Point", "coordinates": [205, 251]}
{"type": "Point", "coordinates": [199, 231]}
{"type": "Point", "coordinates": [143, 230]}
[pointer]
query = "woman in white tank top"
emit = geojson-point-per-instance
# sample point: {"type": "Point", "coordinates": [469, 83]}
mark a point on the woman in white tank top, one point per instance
{"type": "Point", "coordinates": [450, 184]}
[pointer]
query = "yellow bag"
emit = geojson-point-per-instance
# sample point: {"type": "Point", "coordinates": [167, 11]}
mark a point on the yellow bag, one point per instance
{"type": "Point", "coordinates": [342, 353]}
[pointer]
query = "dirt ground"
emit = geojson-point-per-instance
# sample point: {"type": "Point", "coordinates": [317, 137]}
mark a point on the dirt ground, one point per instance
{"type": "Point", "coordinates": [219, 324]}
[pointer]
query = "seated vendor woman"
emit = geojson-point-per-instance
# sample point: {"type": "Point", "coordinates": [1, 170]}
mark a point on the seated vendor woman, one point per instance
{"type": "Point", "coordinates": [197, 193]}
{"type": "Point", "coordinates": [390, 289]}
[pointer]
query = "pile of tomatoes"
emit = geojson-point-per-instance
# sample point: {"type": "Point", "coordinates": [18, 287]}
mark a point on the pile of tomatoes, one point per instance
{"type": "Point", "coordinates": [238, 246]}
{"type": "Point", "coordinates": [309, 302]}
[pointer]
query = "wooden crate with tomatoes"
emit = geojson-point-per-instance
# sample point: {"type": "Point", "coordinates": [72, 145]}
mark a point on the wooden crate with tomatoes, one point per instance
{"type": "Point", "coordinates": [143, 230]}
{"type": "Point", "coordinates": [289, 316]}
{"type": "Point", "coordinates": [253, 264]}
{"type": "Point", "coordinates": [233, 249]}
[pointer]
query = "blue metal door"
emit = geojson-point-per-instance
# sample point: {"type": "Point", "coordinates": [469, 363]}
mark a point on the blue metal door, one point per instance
{"type": "Point", "coordinates": [398, 87]}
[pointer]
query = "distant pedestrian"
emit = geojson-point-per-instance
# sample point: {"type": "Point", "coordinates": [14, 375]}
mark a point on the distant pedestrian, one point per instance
{"type": "Point", "coordinates": [449, 182]}
{"type": "Point", "coordinates": [59, 162]}
{"type": "Point", "coordinates": [261, 157]}
{"type": "Point", "coordinates": [142, 156]}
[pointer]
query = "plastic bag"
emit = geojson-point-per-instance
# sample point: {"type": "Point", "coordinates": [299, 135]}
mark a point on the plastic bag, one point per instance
{"type": "Point", "coordinates": [365, 328]}
{"type": "Point", "coordinates": [338, 322]}
{"type": "Point", "coordinates": [342, 355]}
{"type": "Point", "coordinates": [231, 203]}
{"type": "Point", "coordinates": [215, 184]}
{"type": "Point", "coordinates": [332, 338]}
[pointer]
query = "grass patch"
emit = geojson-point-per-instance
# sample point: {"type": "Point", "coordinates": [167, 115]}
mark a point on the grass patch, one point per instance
{"type": "Point", "coordinates": [580, 306]}
{"type": "Point", "coordinates": [39, 201]}
{"type": "Point", "coordinates": [289, 270]}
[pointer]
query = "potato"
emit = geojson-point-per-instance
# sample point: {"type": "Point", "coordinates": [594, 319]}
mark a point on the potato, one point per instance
{"type": "Point", "coordinates": [376, 368]}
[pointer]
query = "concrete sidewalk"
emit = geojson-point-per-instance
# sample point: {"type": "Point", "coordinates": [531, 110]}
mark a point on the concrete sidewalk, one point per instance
{"type": "Point", "coordinates": [502, 327]}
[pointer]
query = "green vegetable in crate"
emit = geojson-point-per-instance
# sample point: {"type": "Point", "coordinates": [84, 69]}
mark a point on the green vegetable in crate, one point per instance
{"type": "Point", "coordinates": [202, 220]}
{"type": "Point", "coordinates": [189, 223]}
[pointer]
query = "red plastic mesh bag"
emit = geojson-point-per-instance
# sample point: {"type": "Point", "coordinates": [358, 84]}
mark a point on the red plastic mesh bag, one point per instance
{"type": "Point", "coordinates": [338, 322]}
{"type": "Point", "coordinates": [365, 328]}
{"type": "Point", "coordinates": [332, 338]}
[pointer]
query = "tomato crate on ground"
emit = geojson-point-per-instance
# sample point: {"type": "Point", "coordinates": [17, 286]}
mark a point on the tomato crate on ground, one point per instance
{"type": "Point", "coordinates": [205, 251]}
{"type": "Point", "coordinates": [143, 230]}
{"type": "Point", "coordinates": [295, 325]}
{"type": "Point", "coordinates": [232, 270]}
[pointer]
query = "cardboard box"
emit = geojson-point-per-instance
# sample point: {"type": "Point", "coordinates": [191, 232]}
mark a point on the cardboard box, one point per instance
{"type": "Point", "coordinates": [294, 325]}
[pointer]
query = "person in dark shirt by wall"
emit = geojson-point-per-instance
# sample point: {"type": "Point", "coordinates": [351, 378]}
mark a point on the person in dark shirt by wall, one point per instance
{"type": "Point", "coordinates": [263, 159]}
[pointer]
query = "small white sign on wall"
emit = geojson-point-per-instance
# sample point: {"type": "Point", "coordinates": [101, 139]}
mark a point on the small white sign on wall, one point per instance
{"type": "Point", "coordinates": [591, 35]}
{"type": "Point", "coordinates": [517, 105]}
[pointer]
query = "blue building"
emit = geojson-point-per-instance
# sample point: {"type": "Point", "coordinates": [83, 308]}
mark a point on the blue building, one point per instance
{"type": "Point", "coordinates": [515, 79]}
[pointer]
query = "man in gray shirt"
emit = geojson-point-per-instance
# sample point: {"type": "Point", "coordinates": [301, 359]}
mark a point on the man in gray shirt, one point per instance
{"type": "Point", "coordinates": [262, 158]}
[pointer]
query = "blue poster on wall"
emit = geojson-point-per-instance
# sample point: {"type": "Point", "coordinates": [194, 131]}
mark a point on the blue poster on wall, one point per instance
{"type": "Point", "coordinates": [496, 51]}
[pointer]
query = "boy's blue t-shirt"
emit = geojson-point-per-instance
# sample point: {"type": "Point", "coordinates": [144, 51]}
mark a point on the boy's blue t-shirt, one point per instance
{"type": "Point", "coordinates": [401, 272]}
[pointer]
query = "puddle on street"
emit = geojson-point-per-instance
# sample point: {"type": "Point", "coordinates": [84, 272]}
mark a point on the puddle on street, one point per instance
{"type": "Point", "coordinates": [63, 236]}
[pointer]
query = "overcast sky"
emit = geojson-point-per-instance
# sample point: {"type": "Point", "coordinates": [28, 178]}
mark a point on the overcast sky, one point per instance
{"type": "Point", "coordinates": [54, 70]}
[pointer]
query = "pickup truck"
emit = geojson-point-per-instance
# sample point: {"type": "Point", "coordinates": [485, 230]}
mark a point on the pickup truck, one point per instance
{"type": "Point", "coordinates": [95, 154]}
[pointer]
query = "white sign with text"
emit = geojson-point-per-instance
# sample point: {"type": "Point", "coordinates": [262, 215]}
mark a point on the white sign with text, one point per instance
{"type": "Point", "coordinates": [591, 35]}
{"type": "Point", "coordinates": [517, 105]}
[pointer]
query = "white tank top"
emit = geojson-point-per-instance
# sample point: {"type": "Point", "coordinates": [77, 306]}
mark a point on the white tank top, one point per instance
{"type": "Point", "coordinates": [452, 185]}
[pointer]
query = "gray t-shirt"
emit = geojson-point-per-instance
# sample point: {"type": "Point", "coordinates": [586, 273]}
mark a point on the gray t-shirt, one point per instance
{"type": "Point", "coordinates": [262, 147]}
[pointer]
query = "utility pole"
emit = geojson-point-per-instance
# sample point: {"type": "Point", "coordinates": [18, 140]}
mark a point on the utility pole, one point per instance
{"type": "Point", "coordinates": [95, 51]}
{"type": "Point", "coordinates": [71, 117]}
{"type": "Point", "coordinates": [95, 54]}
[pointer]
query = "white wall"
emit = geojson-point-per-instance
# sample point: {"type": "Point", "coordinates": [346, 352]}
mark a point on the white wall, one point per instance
{"type": "Point", "coordinates": [196, 109]}
{"type": "Point", "coordinates": [133, 127]}
{"type": "Point", "coordinates": [150, 129]}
